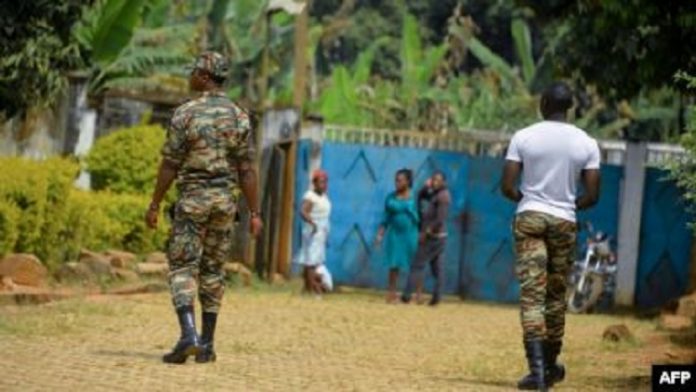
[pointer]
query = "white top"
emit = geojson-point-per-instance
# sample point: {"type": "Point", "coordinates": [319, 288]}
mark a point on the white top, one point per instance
{"type": "Point", "coordinates": [321, 206]}
{"type": "Point", "coordinates": [552, 154]}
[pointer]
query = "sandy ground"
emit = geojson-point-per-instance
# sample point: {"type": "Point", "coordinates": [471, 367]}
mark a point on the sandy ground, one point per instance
{"type": "Point", "coordinates": [276, 339]}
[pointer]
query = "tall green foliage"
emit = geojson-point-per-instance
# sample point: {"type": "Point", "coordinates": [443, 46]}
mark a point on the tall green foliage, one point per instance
{"type": "Point", "coordinates": [684, 172]}
{"type": "Point", "coordinates": [114, 29]}
{"type": "Point", "coordinates": [418, 68]}
{"type": "Point", "coordinates": [131, 47]}
{"type": "Point", "coordinates": [425, 96]}
{"type": "Point", "coordinates": [622, 47]}
{"type": "Point", "coordinates": [36, 50]}
{"type": "Point", "coordinates": [513, 78]}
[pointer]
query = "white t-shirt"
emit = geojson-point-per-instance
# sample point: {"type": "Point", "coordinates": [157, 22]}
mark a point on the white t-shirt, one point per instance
{"type": "Point", "coordinates": [321, 206]}
{"type": "Point", "coordinates": [552, 154]}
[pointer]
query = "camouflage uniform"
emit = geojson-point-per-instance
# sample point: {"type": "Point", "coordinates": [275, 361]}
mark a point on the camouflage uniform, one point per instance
{"type": "Point", "coordinates": [545, 247]}
{"type": "Point", "coordinates": [207, 137]}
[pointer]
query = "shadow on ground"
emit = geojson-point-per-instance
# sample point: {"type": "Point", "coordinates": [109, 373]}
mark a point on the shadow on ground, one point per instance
{"type": "Point", "coordinates": [468, 381]}
{"type": "Point", "coordinates": [685, 339]}
{"type": "Point", "coordinates": [630, 383]}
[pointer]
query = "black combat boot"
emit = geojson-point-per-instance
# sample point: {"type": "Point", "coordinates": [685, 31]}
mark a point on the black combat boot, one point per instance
{"type": "Point", "coordinates": [207, 353]}
{"type": "Point", "coordinates": [536, 379]}
{"type": "Point", "coordinates": [555, 372]}
{"type": "Point", "coordinates": [189, 343]}
{"type": "Point", "coordinates": [434, 300]}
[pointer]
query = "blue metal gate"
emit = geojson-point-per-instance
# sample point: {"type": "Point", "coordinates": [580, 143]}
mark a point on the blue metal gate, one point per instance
{"type": "Point", "coordinates": [479, 254]}
{"type": "Point", "coordinates": [665, 240]}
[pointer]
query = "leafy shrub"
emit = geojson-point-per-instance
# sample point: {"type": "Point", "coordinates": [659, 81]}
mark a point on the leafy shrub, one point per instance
{"type": "Point", "coordinates": [39, 191]}
{"type": "Point", "coordinates": [102, 220]}
{"type": "Point", "coordinates": [685, 171]}
{"type": "Point", "coordinates": [126, 161]}
{"type": "Point", "coordinates": [42, 213]}
{"type": "Point", "coordinates": [9, 216]}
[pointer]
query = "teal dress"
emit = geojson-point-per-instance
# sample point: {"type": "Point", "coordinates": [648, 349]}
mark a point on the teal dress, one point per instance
{"type": "Point", "coordinates": [401, 225]}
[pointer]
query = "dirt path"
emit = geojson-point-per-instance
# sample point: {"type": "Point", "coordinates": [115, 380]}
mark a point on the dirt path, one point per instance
{"type": "Point", "coordinates": [282, 341]}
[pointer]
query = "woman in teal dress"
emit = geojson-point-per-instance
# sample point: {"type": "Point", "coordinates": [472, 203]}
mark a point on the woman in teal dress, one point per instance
{"type": "Point", "coordinates": [399, 229]}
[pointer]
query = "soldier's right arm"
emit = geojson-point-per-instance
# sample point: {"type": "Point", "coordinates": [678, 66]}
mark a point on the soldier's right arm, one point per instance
{"type": "Point", "coordinates": [173, 154]}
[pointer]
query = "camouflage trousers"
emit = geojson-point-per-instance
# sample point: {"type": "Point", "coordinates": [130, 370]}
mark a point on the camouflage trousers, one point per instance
{"type": "Point", "coordinates": [198, 247]}
{"type": "Point", "coordinates": [545, 247]}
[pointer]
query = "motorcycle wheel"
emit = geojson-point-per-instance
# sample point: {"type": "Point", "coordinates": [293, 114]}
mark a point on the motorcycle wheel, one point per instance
{"type": "Point", "coordinates": [582, 301]}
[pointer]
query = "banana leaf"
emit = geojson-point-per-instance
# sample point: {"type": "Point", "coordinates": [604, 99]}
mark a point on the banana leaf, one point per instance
{"type": "Point", "coordinates": [490, 59]}
{"type": "Point", "coordinates": [115, 28]}
{"type": "Point", "coordinates": [523, 46]}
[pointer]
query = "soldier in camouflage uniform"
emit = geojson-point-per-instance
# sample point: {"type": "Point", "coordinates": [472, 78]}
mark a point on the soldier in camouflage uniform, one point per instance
{"type": "Point", "coordinates": [207, 151]}
{"type": "Point", "coordinates": [551, 156]}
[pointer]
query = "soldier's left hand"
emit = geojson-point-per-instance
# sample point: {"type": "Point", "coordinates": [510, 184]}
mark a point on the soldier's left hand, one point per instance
{"type": "Point", "coordinates": [255, 226]}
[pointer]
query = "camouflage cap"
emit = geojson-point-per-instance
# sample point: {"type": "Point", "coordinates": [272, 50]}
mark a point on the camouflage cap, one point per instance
{"type": "Point", "coordinates": [213, 62]}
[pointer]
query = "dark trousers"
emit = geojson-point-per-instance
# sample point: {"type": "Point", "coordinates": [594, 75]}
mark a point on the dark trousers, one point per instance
{"type": "Point", "coordinates": [431, 252]}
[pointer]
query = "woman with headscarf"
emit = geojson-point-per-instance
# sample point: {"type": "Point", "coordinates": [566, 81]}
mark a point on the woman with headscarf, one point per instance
{"type": "Point", "coordinates": [316, 209]}
{"type": "Point", "coordinates": [401, 226]}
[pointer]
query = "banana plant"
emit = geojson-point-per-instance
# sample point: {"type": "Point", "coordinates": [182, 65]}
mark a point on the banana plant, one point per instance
{"type": "Point", "coordinates": [125, 55]}
{"type": "Point", "coordinates": [109, 27]}
{"type": "Point", "coordinates": [353, 98]}
{"type": "Point", "coordinates": [521, 37]}
{"type": "Point", "coordinates": [347, 99]}
{"type": "Point", "coordinates": [418, 68]}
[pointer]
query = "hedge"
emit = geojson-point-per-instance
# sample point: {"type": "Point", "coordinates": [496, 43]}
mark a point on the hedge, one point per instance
{"type": "Point", "coordinates": [39, 190]}
{"type": "Point", "coordinates": [9, 218]}
{"type": "Point", "coordinates": [126, 160]}
{"type": "Point", "coordinates": [42, 213]}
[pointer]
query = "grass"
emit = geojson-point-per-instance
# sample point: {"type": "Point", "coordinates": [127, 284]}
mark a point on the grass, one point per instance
{"type": "Point", "coordinates": [58, 318]}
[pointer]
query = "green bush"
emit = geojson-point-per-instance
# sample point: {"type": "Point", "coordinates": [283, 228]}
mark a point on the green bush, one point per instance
{"type": "Point", "coordinates": [39, 190]}
{"type": "Point", "coordinates": [9, 217]}
{"type": "Point", "coordinates": [684, 172]}
{"type": "Point", "coordinates": [102, 220]}
{"type": "Point", "coordinates": [126, 161]}
{"type": "Point", "coordinates": [42, 213]}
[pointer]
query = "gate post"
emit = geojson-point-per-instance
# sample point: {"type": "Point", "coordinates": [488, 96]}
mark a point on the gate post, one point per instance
{"type": "Point", "coordinates": [630, 214]}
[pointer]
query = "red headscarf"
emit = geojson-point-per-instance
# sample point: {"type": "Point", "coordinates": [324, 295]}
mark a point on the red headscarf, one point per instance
{"type": "Point", "coordinates": [319, 175]}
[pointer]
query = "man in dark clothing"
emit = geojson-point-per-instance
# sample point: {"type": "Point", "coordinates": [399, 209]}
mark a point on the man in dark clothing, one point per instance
{"type": "Point", "coordinates": [433, 201]}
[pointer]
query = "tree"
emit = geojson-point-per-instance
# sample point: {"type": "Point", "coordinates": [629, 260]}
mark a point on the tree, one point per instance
{"type": "Point", "coordinates": [130, 45]}
{"type": "Point", "coordinates": [684, 172]}
{"type": "Point", "coordinates": [622, 47]}
{"type": "Point", "coordinates": [37, 49]}
{"type": "Point", "coordinates": [427, 94]}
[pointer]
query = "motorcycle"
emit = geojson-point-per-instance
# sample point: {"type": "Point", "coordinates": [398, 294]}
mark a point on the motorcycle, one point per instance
{"type": "Point", "coordinates": [592, 277]}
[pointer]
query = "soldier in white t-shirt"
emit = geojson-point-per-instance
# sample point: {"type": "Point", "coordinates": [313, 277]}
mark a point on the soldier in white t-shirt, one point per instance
{"type": "Point", "coordinates": [552, 157]}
